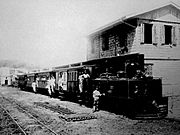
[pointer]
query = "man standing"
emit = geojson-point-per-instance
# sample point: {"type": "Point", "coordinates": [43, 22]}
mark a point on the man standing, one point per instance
{"type": "Point", "coordinates": [34, 86]}
{"type": "Point", "coordinates": [96, 96]}
{"type": "Point", "coordinates": [52, 83]}
{"type": "Point", "coordinates": [81, 79]}
{"type": "Point", "coordinates": [49, 86]}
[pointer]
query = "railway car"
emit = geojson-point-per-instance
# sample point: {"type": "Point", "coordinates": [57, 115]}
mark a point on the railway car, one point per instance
{"type": "Point", "coordinates": [29, 79]}
{"type": "Point", "coordinates": [42, 79]}
{"type": "Point", "coordinates": [22, 81]}
{"type": "Point", "coordinates": [127, 88]}
{"type": "Point", "coordinates": [14, 82]}
{"type": "Point", "coordinates": [67, 82]}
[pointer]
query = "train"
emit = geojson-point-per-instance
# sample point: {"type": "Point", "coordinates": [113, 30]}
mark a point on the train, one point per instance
{"type": "Point", "coordinates": [122, 79]}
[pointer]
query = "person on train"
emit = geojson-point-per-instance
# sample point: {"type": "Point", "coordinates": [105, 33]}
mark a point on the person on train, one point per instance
{"type": "Point", "coordinates": [52, 83]}
{"type": "Point", "coordinates": [139, 75]}
{"type": "Point", "coordinates": [86, 80]}
{"type": "Point", "coordinates": [60, 81]}
{"type": "Point", "coordinates": [81, 79]}
{"type": "Point", "coordinates": [37, 80]}
{"type": "Point", "coordinates": [131, 68]}
{"type": "Point", "coordinates": [49, 86]}
{"type": "Point", "coordinates": [34, 86]}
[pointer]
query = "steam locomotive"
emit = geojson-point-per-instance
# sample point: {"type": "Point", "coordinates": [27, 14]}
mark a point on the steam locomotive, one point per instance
{"type": "Point", "coordinates": [122, 79]}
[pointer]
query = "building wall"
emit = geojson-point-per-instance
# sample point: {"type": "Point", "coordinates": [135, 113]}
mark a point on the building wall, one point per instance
{"type": "Point", "coordinates": [5, 75]}
{"type": "Point", "coordinates": [161, 12]}
{"type": "Point", "coordinates": [4, 79]}
{"type": "Point", "coordinates": [9, 74]}
{"type": "Point", "coordinates": [93, 48]}
{"type": "Point", "coordinates": [165, 58]}
{"type": "Point", "coordinates": [118, 39]}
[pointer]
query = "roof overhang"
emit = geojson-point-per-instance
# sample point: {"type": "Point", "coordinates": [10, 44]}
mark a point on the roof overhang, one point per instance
{"type": "Point", "coordinates": [125, 19]}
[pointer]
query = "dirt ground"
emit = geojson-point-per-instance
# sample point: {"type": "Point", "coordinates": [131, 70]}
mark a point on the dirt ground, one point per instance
{"type": "Point", "coordinates": [101, 123]}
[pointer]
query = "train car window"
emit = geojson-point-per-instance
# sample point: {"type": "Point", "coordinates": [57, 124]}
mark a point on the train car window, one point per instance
{"type": "Point", "coordinates": [65, 76]}
{"type": "Point", "coordinates": [76, 76]}
{"type": "Point", "coordinates": [72, 76]}
{"type": "Point", "coordinates": [69, 76]}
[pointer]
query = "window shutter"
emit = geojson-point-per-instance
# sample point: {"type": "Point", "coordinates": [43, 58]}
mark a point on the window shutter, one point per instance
{"type": "Point", "coordinates": [162, 35]}
{"type": "Point", "coordinates": [92, 45]}
{"type": "Point", "coordinates": [142, 34]}
{"type": "Point", "coordinates": [178, 35]}
{"type": "Point", "coordinates": [174, 35]}
{"type": "Point", "coordinates": [154, 35]}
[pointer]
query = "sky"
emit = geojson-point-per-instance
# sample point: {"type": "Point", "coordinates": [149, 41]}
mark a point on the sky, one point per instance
{"type": "Point", "coordinates": [51, 33]}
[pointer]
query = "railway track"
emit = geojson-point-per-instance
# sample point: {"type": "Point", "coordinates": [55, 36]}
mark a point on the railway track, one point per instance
{"type": "Point", "coordinates": [36, 122]}
{"type": "Point", "coordinates": [8, 125]}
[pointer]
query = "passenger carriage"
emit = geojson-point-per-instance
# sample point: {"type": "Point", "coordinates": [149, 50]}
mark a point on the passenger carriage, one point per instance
{"type": "Point", "coordinates": [127, 89]}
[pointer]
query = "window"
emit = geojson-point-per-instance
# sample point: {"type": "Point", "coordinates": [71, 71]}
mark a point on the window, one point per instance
{"type": "Point", "coordinates": [105, 42]}
{"type": "Point", "coordinates": [93, 43]}
{"type": "Point", "coordinates": [148, 33]}
{"type": "Point", "coordinates": [69, 76]}
{"type": "Point", "coordinates": [72, 76]}
{"type": "Point", "coordinates": [168, 34]}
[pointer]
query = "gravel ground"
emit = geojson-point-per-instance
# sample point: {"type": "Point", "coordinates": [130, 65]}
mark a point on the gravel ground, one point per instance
{"type": "Point", "coordinates": [103, 122]}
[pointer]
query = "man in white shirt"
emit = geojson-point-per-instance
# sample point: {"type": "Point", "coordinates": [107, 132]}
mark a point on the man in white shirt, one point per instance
{"type": "Point", "coordinates": [34, 86]}
{"type": "Point", "coordinates": [96, 96]}
{"type": "Point", "coordinates": [52, 83]}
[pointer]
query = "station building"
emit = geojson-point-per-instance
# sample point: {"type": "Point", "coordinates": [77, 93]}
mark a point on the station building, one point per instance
{"type": "Point", "coordinates": [154, 33]}
{"type": "Point", "coordinates": [8, 75]}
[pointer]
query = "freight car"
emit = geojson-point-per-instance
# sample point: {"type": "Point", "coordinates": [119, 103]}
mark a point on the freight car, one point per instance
{"type": "Point", "coordinates": [123, 80]}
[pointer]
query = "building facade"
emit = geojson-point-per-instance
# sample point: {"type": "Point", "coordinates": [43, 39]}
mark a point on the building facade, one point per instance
{"type": "Point", "coordinates": [154, 33]}
{"type": "Point", "coordinates": [8, 75]}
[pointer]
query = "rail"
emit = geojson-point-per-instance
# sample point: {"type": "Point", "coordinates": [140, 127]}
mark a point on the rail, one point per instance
{"type": "Point", "coordinates": [29, 114]}
{"type": "Point", "coordinates": [14, 121]}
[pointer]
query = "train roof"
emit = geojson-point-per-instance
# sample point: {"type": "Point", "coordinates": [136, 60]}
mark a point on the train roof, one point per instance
{"type": "Point", "coordinates": [71, 68]}
{"type": "Point", "coordinates": [94, 62]}
{"type": "Point", "coordinates": [121, 57]}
